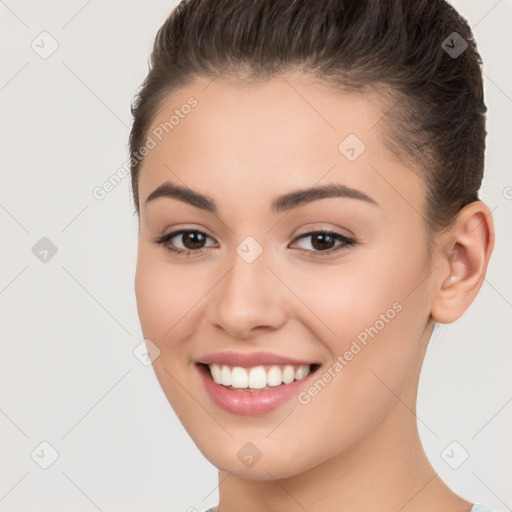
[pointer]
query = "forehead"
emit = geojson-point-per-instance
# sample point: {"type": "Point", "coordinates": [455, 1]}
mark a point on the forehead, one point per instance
{"type": "Point", "coordinates": [257, 139]}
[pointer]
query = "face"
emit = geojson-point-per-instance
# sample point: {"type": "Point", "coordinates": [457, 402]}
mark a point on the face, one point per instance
{"type": "Point", "coordinates": [337, 279]}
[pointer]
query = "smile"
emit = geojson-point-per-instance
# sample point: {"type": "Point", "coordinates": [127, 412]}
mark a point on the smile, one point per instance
{"type": "Point", "coordinates": [257, 377]}
{"type": "Point", "coordinates": [254, 390]}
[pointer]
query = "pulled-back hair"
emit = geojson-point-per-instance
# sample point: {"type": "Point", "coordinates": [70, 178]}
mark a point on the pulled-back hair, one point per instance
{"type": "Point", "coordinates": [435, 115]}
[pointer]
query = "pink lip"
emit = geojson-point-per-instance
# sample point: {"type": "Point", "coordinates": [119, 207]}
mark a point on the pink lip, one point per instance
{"type": "Point", "coordinates": [250, 359]}
{"type": "Point", "coordinates": [249, 403]}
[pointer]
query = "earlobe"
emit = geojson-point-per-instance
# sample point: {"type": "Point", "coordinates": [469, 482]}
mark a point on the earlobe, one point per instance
{"type": "Point", "coordinates": [463, 262]}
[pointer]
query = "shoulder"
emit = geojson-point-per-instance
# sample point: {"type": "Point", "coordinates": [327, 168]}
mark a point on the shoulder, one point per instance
{"type": "Point", "coordinates": [476, 508]}
{"type": "Point", "coordinates": [480, 508]}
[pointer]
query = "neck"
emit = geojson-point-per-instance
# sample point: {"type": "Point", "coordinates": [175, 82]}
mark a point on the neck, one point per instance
{"type": "Point", "coordinates": [387, 471]}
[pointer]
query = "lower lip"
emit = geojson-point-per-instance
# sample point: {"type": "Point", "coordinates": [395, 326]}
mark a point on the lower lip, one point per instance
{"type": "Point", "coordinates": [250, 403]}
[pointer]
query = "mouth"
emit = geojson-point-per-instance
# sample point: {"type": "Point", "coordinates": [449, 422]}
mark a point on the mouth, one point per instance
{"type": "Point", "coordinates": [259, 377]}
{"type": "Point", "coordinates": [254, 390]}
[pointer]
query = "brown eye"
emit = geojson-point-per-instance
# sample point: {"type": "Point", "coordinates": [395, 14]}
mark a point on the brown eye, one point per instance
{"type": "Point", "coordinates": [192, 241]}
{"type": "Point", "coordinates": [325, 242]}
{"type": "Point", "coordinates": [322, 241]}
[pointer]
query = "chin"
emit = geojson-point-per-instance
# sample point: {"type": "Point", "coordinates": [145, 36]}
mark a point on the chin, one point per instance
{"type": "Point", "coordinates": [258, 460]}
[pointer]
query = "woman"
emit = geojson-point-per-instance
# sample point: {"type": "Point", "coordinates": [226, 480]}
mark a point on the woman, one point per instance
{"type": "Point", "coordinates": [306, 178]}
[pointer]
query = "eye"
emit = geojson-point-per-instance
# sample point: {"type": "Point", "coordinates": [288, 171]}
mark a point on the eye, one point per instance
{"type": "Point", "coordinates": [192, 239]}
{"type": "Point", "coordinates": [324, 242]}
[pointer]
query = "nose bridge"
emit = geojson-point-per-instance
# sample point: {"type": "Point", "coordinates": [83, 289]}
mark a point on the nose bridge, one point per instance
{"type": "Point", "coordinates": [247, 296]}
{"type": "Point", "coordinates": [248, 270]}
{"type": "Point", "coordinates": [247, 282]}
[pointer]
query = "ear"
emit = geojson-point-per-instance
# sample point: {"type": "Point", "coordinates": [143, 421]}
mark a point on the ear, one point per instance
{"type": "Point", "coordinates": [462, 262]}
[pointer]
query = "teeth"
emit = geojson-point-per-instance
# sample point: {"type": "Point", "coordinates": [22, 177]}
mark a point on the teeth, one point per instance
{"type": "Point", "coordinates": [274, 376]}
{"type": "Point", "coordinates": [256, 377]}
{"type": "Point", "coordinates": [239, 377]}
{"type": "Point", "coordinates": [301, 372]}
{"type": "Point", "coordinates": [225, 376]}
{"type": "Point", "coordinates": [288, 374]}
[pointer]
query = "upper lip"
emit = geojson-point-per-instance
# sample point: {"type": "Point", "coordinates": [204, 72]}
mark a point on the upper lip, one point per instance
{"type": "Point", "coordinates": [250, 359]}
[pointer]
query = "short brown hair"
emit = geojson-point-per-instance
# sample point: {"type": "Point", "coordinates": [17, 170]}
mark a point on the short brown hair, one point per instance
{"type": "Point", "coordinates": [436, 117]}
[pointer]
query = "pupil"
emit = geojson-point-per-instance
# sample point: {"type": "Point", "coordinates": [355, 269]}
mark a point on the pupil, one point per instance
{"type": "Point", "coordinates": [196, 240]}
{"type": "Point", "coordinates": [325, 240]}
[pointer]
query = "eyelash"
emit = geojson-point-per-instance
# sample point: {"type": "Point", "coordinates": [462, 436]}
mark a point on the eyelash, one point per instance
{"type": "Point", "coordinates": [346, 242]}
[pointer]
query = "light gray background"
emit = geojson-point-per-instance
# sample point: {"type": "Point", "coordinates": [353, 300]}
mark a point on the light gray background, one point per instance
{"type": "Point", "coordinates": [69, 326]}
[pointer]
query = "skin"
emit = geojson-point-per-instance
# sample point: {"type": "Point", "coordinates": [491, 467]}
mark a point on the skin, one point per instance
{"type": "Point", "coordinates": [355, 445]}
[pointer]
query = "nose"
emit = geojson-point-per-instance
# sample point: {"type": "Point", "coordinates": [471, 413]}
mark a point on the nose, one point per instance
{"type": "Point", "coordinates": [249, 300]}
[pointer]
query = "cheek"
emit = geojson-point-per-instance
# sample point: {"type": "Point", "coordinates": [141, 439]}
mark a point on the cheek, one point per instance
{"type": "Point", "coordinates": [164, 293]}
{"type": "Point", "coordinates": [372, 311]}
{"type": "Point", "coordinates": [345, 299]}
{"type": "Point", "coordinates": [165, 299]}
{"type": "Point", "coordinates": [152, 302]}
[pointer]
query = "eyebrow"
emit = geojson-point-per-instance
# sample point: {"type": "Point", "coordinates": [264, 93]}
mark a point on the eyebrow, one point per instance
{"type": "Point", "coordinates": [282, 203]}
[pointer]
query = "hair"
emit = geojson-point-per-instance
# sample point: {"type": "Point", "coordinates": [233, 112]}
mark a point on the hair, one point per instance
{"type": "Point", "coordinates": [435, 116]}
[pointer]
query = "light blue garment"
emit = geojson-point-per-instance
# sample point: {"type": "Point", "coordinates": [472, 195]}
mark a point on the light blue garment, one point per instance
{"type": "Point", "coordinates": [476, 508]}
